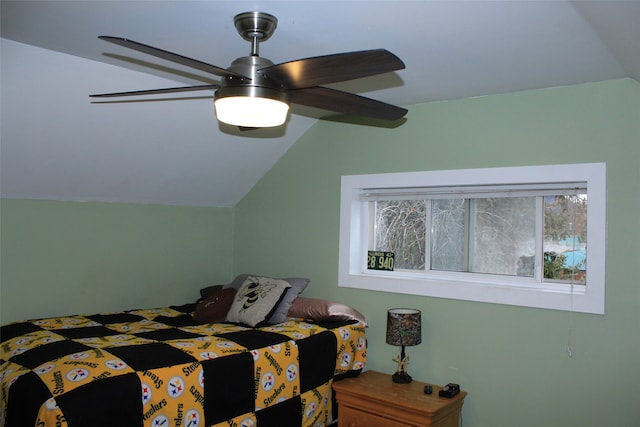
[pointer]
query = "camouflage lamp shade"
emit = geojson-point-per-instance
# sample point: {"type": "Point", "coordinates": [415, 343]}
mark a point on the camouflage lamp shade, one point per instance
{"type": "Point", "coordinates": [403, 328]}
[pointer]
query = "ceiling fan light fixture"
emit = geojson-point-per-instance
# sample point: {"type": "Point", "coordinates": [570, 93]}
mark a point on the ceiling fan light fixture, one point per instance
{"type": "Point", "coordinates": [251, 106]}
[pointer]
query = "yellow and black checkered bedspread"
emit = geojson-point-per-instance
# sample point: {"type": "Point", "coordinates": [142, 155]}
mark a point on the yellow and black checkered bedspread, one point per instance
{"type": "Point", "coordinates": [158, 368]}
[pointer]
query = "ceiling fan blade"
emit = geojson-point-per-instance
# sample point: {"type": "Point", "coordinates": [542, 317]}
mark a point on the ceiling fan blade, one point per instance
{"type": "Point", "coordinates": [173, 57]}
{"type": "Point", "coordinates": [156, 91]}
{"type": "Point", "coordinates": [322, 70]}
{"type": "Point", "coordinates": [346, 103]}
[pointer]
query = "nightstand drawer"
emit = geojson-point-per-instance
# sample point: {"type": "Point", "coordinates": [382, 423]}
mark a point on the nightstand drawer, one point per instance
{"type": "Point", "coordinates": [348, 417]}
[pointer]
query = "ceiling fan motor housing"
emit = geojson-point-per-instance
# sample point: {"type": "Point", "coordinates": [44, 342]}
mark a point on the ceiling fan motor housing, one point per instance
{"type": "Point", "coordinates": [256, 85]}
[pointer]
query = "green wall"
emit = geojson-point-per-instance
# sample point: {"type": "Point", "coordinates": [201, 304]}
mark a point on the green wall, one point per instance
{"type": "Point", "coordinates": [60, 258]}
{"type": "Point", "coordinates": [511, 360]}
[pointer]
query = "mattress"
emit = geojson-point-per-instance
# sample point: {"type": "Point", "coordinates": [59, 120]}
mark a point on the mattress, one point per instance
{"type": "Point", "coordinates": [157, 367]}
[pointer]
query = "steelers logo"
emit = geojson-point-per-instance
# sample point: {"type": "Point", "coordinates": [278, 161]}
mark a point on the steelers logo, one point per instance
{"type": "Point", "coordinates": [247, 422]}
{"type": "Point", "coordinates": [18, 351]}
{"type": "Point", "coordinates": [255, 354]}
{"type": "Point", "coordinates": [207, 355]}
{"type": "Point", "coordinates": [146, 393]}
{"type": "Point", "coordinates": [72, 323]}
{"type": "Point", "coordinates": [345, 360]}
{"type": "Point", "coordinates": [358, 365]}
{"type": "Point", "coordinates": [362, 344]}
{"type": "Point", "coordinates": [51, 404]}
{"type": "Point", "coordinates": [310, 410]}
{"type": "Point", "coordinates": [292, 372]}
{"type": "Point", "coordinates": [160, 421]}
{"type": "Point", "coordinates": [115, 364]}
{"type": "Point", "coordinates": [185, 344]}
{"type": "Point", "coordinates": [192, 418]}
{"type": "Point", "coordinates": [225, 344]}
{"type": "Point", "coordinates": [78, 374]}
{"type": "Point", "coordinates": [275, 348]}
{"type": "Point", "coordinates": [268, 381]}
{"type": "Point", "coordinates": [344, 333]}
{"type": "Point", "coordinates": [201, 378]}
{"type": "Point", "coordinates": [176, 387]}
{"type": "Point", "coordinates": [45, 368]}
{"type": "Point", "coordinates": [78, 356]}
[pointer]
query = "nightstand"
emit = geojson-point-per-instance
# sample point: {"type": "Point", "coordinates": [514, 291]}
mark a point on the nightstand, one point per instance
{"type": "Point", "coordinates": [372, 400]}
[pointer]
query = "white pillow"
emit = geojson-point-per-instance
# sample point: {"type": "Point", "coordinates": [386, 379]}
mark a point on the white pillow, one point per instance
{"type": "Point", "coordinates": [256, 300]}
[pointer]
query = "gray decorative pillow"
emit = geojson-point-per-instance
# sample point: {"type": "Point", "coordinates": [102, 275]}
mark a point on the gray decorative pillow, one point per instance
{"type": "Point", "coordinates": [256, 300]}
{"type": "Point", "coordinates": [280, 313]}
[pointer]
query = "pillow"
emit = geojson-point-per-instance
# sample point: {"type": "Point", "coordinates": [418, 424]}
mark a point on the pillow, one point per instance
{"type": "Point", "coordinates": [321, 310]}
{"type": "Point", "coordinates": [209, 290]}
{"type": "Point", "coordinates": [256, 300]}
{"type": "Point", "coordinates": [214, 308]}
{"type": "Point", "coordinates": [298, 284]}
{"type": "Point", "coordinates": [280, 314]}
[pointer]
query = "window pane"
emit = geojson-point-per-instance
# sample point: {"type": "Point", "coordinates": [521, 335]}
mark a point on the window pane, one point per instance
{"type": "Point", "coordinates": [503, 236]}
{"type": "Point", "coordinates": [494, 235]}
{"type": "Point", "coordinates": [400, 228]}
{"type": "Point", "coordinates": [565, 238]}
{"type": "Point", "coordinates": [449, 224]}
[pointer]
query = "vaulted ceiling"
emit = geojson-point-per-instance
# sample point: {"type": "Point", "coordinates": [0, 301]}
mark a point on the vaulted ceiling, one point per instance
{"type": "Point", "coordinates": [56, 144]}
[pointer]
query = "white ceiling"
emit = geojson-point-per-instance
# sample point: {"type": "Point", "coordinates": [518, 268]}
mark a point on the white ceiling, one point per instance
{"type": "Point", "coordinates": [58, 145]}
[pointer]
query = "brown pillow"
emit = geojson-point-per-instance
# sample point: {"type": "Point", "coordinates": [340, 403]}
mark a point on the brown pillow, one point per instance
{"type": "Point", "coordinates": [215, 307]}
{"type": "Point", "coordinates": [210, 290]}
{"type": "Point", "coordinates": [322, 310]}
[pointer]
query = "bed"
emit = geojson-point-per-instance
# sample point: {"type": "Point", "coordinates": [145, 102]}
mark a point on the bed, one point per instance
{"type": "Point", "coordinates": [168, 367]}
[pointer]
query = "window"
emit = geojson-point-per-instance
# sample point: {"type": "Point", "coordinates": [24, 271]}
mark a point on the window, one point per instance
{"type": "Point", "coordinates": [531, 236]}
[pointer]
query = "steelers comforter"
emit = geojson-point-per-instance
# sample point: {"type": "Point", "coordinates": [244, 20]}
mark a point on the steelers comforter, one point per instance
{"type": "Point", "coordinates": [159, 368]}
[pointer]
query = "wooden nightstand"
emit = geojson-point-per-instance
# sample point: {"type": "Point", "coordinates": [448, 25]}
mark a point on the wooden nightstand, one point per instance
{"type": "Point", "coordinates": [373, 400]}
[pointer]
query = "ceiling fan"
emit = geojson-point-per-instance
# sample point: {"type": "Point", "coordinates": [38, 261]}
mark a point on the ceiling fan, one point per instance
{"type": "Point", "coordinates": [254, 92]}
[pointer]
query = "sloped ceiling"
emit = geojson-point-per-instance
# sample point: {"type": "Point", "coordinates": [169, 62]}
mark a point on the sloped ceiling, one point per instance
{"type": "Point", "coordinates": [56, 144]}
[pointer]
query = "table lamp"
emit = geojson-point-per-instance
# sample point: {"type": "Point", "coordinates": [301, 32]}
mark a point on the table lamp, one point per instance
{"type": "Point", "coordinates": [403, 328]}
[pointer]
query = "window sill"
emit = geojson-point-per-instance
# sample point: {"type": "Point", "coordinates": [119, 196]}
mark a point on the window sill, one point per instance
{"type": "Point", "coordinates": [548, 296]}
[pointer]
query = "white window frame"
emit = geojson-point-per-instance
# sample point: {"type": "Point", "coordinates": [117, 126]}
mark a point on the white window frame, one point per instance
{"type": "Point", "coordinates": [352, 272]}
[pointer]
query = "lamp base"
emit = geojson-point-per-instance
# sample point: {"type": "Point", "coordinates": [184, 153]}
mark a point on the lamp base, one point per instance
{"type": "Point", "coordinates": [401, 378]}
